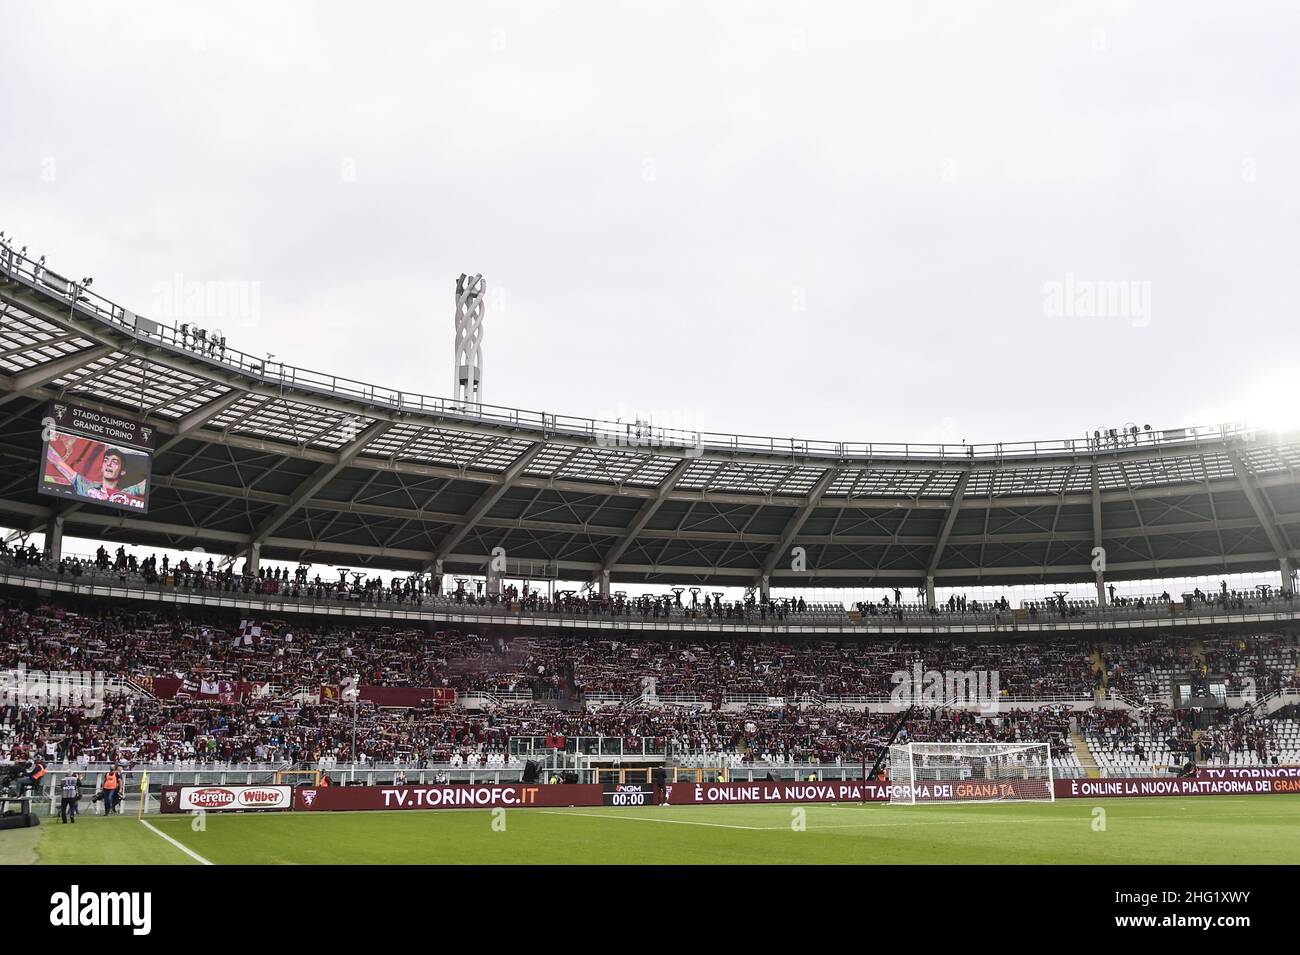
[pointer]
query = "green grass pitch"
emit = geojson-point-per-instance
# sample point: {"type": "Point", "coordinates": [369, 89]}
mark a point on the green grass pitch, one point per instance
{"type": "Point", "coordinates": [1213, 830]}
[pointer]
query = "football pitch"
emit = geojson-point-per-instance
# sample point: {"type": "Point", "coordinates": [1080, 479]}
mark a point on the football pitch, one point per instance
{"type": "Point", "coordinates": [1197, 830]}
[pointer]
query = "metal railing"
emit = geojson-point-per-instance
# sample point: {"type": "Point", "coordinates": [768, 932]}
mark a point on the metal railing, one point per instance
{"type": "Point", "coordinates": [75, 295]}
{"type": "Point", "coordinates": [214, 593]}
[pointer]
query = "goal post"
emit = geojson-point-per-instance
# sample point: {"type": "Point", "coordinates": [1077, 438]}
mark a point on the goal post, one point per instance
{"type": "Point", "coordinates": [970, 772]}
{"type": "Point", "coordinates": [700, 774]}
{"type": "Point", "coordinates": [624, 774]}
{"type": "Point", "coordinates": [297, 777]}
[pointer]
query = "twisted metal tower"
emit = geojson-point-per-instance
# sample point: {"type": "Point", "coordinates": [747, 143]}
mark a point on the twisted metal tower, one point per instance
{"type": "Point", "coordinates": [468, 384]}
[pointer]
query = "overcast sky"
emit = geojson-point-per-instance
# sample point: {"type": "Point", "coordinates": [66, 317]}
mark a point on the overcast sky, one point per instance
{"type": "Point", "coordinates": [880, 223]}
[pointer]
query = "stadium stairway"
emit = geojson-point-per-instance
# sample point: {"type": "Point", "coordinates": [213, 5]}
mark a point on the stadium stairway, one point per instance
{"type": "Point", "coordinates": [1081, 750]}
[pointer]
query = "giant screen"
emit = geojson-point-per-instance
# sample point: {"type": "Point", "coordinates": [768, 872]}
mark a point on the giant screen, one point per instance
{"type": "Point", "coordinates": [97, 457]}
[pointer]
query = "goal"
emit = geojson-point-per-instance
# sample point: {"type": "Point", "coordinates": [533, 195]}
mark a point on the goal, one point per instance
{"type": "Point", "coordinates": [970, 772]}
{"type": "Point", "coordinates": [700, 774]}
{"type": "Point", "coordinates": [297, 777]}
{"type": "Point", "coordinates": [624, 774]}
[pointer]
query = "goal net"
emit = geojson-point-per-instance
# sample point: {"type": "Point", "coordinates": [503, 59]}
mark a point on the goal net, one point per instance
{"type": "Point", "coordinates": [970, 772]}
{"type": "Point", "coordinates": [700, 774]}
{"type": "Point", "coordinates": [297, 777]}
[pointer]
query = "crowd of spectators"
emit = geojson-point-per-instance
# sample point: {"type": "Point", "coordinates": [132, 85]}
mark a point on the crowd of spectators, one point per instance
{"type": "Point", "coordinates": [290, 654]}
{"type": "Point", "coordinates": [1264, 663]}
{"type": "Point", "coordinates": [133, 730]}
{"type": "Point", "coordinates": [1199, 734]}
{"type": "Point", "coordinates": [434, 592]}
{"type": "Point", "coordinates": [759, 699]}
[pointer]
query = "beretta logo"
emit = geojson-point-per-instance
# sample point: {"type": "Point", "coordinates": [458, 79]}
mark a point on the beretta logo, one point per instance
{"type": "Point", "coordinates": [77, 908]}
{"type": "Point", "coordinates": [212, 798]}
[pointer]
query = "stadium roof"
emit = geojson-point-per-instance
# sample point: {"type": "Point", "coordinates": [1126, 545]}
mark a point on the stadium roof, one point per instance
{"type": "Point", "coordinates": [318, 468]}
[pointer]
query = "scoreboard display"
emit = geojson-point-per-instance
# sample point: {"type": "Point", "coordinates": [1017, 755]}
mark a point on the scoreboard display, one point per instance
{"type": "Point", "coordinates": [96, 457]}
{"type": "Point", "coordinates": [628, 794]}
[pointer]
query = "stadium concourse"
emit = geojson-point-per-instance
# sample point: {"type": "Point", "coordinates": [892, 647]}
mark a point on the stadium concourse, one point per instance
{"type": "Point", "coordinates": [123, 573]}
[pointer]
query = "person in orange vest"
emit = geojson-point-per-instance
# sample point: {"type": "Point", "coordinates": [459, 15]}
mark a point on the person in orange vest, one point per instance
{"type": "Point", "coordinates": [325, 779]}
{"type": "Point", "coordinates": [31, 779]}
{"type": "Point", "coordinates": [111, 788]}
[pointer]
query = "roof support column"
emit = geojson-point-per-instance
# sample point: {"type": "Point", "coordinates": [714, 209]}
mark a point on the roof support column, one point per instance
{"type": "Point", "coordinates": [1098, 551]}
{"type": "Point", "coordinates": [1259, 504]}
{"type": "Point", "coordinates": [312, 485]}
{"type": "Point", "coordinates": [795, 524]}
{"type": "Point", "coordinates": [253, 559]}
{"type": "Point", "coordinates": [54, 539]}
{"type": "Point", "coordinates": [959, 492]}
{"type": "Point", "coordinates": [485, 503]}
{"type": "Point", "coordinates": [642, 518]}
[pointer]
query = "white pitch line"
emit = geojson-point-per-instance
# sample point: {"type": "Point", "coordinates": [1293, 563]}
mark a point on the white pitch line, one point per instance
{"type": "Point", "coordinates": [673, 822]}
{"type": "Point", "coordinates": [814, 827]}
{"type": "Point", "coordinates": [820, 805]}
{"type": "Point", "coordinates": [185, 849]}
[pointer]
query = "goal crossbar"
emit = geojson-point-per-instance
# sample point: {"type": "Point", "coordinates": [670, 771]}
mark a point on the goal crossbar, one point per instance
{"type": "Point", "coordinates": [970, 772]}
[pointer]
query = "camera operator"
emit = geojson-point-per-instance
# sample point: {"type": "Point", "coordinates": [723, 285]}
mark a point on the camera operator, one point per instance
{"type": "Point", "coordinates": [28, 776]}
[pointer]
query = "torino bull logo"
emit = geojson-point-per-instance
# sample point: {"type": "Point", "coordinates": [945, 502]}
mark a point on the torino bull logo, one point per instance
{"type": "Point", "coordinates": [967, 689]}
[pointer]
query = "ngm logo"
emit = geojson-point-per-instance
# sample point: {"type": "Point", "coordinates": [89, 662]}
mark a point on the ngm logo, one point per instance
{"type": "Point", "coordinates": [76, 908]}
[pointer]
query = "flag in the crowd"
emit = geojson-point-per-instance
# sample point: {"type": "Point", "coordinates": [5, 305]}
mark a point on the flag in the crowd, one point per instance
{"type": "Point", "coordinates": [250, 634]}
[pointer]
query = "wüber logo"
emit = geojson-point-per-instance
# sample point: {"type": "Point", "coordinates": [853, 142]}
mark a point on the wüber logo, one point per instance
{"type": "Point", "coordinates": [253, 796]}
{"type": "Point", "coordinates": [77, 908]}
